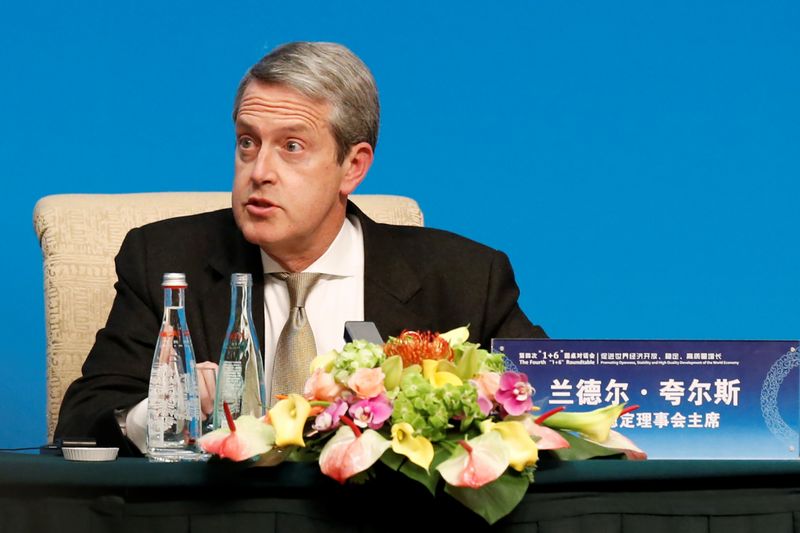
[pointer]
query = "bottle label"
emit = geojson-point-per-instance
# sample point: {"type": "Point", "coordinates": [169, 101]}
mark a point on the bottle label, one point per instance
{"type": "Point", "coordinates": [232, 386]}
{"type": "Point", "coordinates": [166, 401]}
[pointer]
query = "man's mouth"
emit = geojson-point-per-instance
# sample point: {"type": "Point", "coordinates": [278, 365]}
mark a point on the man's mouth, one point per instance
{"type": "Point", "coordinates": [259, 207]}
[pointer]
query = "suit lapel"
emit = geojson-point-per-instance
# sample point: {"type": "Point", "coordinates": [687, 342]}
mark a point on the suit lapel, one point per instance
{"type": "Point", "coordinates": [389, 281]}
{"type": "Point", "coordinates": [235, 255]}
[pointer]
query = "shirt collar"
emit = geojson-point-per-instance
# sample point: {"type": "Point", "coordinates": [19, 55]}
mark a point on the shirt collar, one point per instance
{"type": "Point", "coordinates": [341, 257]}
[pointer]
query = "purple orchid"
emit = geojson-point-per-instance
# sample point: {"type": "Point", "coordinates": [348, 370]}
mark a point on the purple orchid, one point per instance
{"type": "Point", "coordinates": [329, 419]}
{"type": "Point", "coordinates": [371, 413]}
{"type": "Point", "coordinates": [515, 393]}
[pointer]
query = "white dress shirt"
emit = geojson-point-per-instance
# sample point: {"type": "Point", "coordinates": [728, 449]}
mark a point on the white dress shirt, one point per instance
{"type": "Point", "coordinates": [337, 297]}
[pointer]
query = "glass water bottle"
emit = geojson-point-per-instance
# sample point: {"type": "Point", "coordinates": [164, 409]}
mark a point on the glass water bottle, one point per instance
{"type": "Point", "coordinates": [240, 380]}
{"type": "Point", "coordinates": [173, 410]}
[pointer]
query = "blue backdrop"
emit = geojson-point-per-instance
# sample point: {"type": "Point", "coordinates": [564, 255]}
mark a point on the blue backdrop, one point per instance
{"type": "Point", "coordinates": [637, 161]}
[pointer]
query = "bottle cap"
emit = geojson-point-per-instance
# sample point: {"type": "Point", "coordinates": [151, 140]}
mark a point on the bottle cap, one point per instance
{"type": "Point", "coordinates": [244, 279]}
{"type": "Point", "coordinates": [174, 279]}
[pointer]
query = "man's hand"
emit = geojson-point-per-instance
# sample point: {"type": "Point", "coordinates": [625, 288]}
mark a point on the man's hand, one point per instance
{"type": "Point", "coordinates": [207, 383]}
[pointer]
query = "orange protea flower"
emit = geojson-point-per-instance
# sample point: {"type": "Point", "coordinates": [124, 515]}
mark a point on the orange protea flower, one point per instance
{"type": "Point", "coordinates": [414, 346]}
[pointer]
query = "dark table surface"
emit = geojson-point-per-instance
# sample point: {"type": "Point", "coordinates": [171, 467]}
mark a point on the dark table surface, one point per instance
{"type": "Point", "coordinates": [39, 493]}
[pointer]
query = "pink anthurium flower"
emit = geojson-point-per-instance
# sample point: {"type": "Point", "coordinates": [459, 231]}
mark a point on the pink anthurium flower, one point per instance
{"type": "Point", "coordinates": [617, 441]}
{"type": "Point", "coordinates": [515, 394]}
{"type": "Point", "coordinates": [476, 462]}
{"type": "Point", "coordinates": [241, 440]}
{"type": "Point", "coordinates": [350, 451]}
{"type": "Point", "coordinates": [545, 438]}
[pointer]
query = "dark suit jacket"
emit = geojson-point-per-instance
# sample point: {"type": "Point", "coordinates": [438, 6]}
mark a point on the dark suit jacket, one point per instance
{"type": "Point", "coordinates": [415, 278]}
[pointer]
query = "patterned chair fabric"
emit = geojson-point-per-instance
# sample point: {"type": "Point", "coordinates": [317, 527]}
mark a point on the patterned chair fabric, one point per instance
{"type": "Point", "coordinates": [80, 234]}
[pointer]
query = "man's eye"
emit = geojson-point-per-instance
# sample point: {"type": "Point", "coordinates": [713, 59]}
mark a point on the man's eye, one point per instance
{"type": "Point", "coordinates": [293, 146]}
{"type": "Point", "coordinates": [245, 143]}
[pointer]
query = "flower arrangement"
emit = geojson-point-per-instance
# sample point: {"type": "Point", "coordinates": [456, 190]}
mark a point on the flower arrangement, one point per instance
{"type": "Point", "coordinates": [434, 407]}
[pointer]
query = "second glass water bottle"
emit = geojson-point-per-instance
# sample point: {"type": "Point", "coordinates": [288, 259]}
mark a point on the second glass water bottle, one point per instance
{"type": "Point", "coordinates": [240, 379]}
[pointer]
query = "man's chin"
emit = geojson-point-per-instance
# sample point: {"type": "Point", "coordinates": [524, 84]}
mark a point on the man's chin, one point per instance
{"type": "Point", "coordinates": [264, 243]}
{"type": "Point", "coordinates": [256, 233]}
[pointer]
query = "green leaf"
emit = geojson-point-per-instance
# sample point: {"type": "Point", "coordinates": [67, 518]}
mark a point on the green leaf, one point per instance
{"type": "Point", "coordinates": [428, 480]}
{"type": "Point", "coordinates": [274, 457]}
{"type": "Point", "coordinates": [361, 478]}
{"type": "Point", "coordinates": [392, 460]}
{"type": "Point", "coordinates": [580, 449]}
{"type": "Point", "coordinates": [404, 466]}
{"type": "Point", "coordinates": [494, 500]}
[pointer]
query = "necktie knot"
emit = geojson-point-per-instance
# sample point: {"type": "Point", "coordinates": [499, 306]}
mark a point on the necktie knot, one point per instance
{"type": "Point", "coordinates": [298, 283]}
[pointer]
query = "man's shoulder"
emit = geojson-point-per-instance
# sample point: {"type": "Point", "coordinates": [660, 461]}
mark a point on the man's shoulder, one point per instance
{"type": "Point", "coordinates": [199, 228]}
{"type": "Point", "coordinates": [440, 242]}
{"type": "Point", "coordinates": [195, 235]}
{"type": "Point", "coordinates": [221, 219]}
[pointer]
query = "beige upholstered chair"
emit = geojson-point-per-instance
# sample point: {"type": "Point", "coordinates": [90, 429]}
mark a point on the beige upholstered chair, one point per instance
{"type": "Point", "coordinates": [80, 235]}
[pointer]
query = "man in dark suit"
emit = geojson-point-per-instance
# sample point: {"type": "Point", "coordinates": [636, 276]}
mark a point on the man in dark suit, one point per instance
{"type": "Point", "coordinates": [306, 123]}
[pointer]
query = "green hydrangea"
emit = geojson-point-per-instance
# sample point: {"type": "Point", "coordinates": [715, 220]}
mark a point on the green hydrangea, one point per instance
{"type": "Point", "coordinates": [355, 355]}
{"type": "Point", "coordinates": [494, 362]}
{"type": "Point", "coordinates": [430, 410]}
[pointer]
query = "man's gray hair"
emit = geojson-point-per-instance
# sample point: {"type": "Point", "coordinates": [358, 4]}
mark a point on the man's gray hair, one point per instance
{"type": "Point", "coordinates": [327, 72]}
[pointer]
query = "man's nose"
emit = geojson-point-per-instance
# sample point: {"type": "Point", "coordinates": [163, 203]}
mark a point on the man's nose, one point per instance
{"type": "Point", "coordinates": [263, 170]}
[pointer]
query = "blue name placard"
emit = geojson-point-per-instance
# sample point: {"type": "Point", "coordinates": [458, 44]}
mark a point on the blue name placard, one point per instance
{"type": "Point", "coordinates": [698, 399]}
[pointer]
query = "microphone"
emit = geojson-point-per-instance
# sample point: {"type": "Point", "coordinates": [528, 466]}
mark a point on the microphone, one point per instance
{"type": "Point", "coordinates": [365, 331]}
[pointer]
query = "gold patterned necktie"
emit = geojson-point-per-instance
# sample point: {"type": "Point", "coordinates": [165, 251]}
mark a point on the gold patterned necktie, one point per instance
{"type": "Point", "coordinates": [296, 347]}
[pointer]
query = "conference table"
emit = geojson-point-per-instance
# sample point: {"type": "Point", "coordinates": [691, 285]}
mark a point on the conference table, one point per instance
{"type": "Point", "coordinates": [47, 493]}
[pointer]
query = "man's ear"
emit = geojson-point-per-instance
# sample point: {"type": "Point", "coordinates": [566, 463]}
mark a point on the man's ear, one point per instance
{"type": "Point", "coordinates": [356, 165]}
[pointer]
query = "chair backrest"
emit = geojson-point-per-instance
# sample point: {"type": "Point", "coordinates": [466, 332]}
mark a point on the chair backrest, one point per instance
{"type": "Point", "coordinates": [80, 234]}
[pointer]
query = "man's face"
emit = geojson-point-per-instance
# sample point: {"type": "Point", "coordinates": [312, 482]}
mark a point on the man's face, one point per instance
{"type": "Point", "coordinates": [289, 192]}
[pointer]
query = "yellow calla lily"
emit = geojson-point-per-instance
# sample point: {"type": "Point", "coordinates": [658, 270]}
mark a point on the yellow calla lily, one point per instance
{"type": "Point", "coordinates": [522, 451]}
{"type": "Point", "coordinates": [288, 417]}
{"type": "Point", "coordinates": [324, 361]}
{"type": "Point", "coordinates": [594, 425]}
{"type": "Point", "coordinates": [438, 379]}
{"type": "Point", "coordinates": [419, 450]}
{"type": "Point", "coordinates": [429, 367]}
